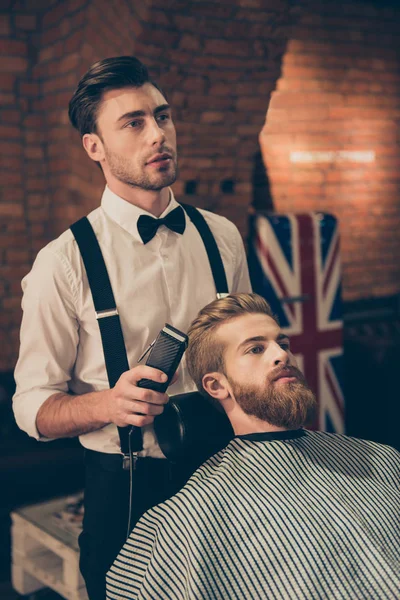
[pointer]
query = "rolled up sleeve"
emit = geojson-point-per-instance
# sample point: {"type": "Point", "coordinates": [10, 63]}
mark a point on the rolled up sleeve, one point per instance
{"type": "Point", "coordinates": [48, 337]}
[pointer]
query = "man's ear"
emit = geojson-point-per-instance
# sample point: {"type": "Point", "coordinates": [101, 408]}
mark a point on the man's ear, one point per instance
{"type": "Point", "coordinates": [93, 146]}
{"type": "Point", "coordinates": [216, 386]}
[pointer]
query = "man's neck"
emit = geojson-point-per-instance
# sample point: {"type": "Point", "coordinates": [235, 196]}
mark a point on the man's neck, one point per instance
{"type": "Point", "coordinates": [153, 201]}
{"type": "Point", "coordinates": [243, 424]}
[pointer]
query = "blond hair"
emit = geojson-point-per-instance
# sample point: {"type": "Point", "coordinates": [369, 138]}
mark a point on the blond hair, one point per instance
{"type": "Point", "coordinates": [205, 352]}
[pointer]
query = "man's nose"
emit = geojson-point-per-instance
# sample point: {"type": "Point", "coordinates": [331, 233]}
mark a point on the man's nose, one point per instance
{"type": "Point", "coordinates": [157, 133]}
{"type": "Point", "coordinates": [281, 356]}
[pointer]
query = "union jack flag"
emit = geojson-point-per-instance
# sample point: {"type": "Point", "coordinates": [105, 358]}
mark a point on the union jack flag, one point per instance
{"type": "Point", "coordinates": [294, 263]}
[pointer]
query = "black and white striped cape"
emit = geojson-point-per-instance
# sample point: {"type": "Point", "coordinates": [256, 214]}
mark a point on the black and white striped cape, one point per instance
{"type": "Point", "coordinates": [288, 515]}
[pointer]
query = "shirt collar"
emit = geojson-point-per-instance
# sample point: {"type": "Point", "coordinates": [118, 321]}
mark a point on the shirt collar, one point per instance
{"type": "Point", "coordinates": [126, 215]}
{"type": "Point", "coordinates": [265, 436]}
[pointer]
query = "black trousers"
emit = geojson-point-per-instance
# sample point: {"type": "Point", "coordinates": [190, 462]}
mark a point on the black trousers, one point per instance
{"type": "Point", "coordinates": [106, 505]}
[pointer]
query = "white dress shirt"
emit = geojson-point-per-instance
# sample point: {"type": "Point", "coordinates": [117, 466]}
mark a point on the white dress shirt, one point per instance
{"type": "Point", "coordinates": [167, 280]}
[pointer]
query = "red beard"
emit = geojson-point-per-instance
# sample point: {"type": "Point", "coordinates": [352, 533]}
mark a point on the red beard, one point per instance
{"type": "Point", "coordinates": [290, 405]}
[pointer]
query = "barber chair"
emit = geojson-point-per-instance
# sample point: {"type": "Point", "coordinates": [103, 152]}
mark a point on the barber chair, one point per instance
{"type": "Point", "coordinates": [191, 429]}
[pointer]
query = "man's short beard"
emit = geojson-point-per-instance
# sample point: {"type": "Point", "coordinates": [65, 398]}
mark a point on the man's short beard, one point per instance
{"type": "Point", "coordinates": [121, 169]}
{"type": "Point", "coordinates": [290, 405]}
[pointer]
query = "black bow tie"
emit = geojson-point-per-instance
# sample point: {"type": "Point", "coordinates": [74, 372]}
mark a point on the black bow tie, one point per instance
{"type": "Point", "coordinates": [147, 226]}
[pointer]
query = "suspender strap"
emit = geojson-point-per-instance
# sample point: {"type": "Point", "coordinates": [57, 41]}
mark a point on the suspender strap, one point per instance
{"type": "Point", "coordinates": [106, 311]}
{"type": "Point", "coordinates": [214, 256]}
{"type": "Point", "coordinates": [107, 316]}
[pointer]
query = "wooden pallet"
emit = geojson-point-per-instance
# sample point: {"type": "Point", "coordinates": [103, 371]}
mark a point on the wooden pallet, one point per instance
{"type": "Point", "coordinates": [45, 552]}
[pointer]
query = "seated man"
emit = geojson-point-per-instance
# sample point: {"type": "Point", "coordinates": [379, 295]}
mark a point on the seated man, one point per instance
{"type": "Point", "coordinates": [281, 512]}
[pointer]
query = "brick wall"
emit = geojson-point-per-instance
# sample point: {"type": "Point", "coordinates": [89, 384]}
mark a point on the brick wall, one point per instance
{"type": "Point", "coordinates": [74, 35]}
{"type": "Point", "coordinates": [338, 103]}
{"type": "Point", "coordinates": [210, 61]}
{"type": "Point", "coordinates": [17, 149]}
{"type": "Point", "coordinates": [218, 64]}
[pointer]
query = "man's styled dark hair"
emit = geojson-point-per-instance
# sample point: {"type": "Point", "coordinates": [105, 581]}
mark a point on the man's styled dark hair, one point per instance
{"type": "Point", "coordinates": [108, 74]}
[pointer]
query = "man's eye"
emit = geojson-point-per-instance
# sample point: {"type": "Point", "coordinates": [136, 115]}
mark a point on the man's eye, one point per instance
{"type": "Point", "coordinates": [284, 345]}
{"type": "Point", "coordinates": [133, 124]}
{"type": "Point", "coordinates": [256, 349]}
{"type": "Point", "coordinates": [163, 117]}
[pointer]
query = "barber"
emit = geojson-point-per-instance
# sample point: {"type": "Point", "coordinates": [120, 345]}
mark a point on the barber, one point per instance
{"type": "Point", "coordinates": [158, 274]}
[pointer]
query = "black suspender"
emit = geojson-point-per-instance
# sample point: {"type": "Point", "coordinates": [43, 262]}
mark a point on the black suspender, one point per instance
{"type": "Point", "coordinates": [214, 256]}
{"type": "Point", "coordinates": [106, 311]}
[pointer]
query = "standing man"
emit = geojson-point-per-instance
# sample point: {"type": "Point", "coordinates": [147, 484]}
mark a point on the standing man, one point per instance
{"type": "Point", "coordinates": [62, 388]}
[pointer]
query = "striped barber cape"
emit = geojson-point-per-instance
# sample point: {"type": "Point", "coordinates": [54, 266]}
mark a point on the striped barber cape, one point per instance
{"type": "Point", "coordinates": [288, 515]}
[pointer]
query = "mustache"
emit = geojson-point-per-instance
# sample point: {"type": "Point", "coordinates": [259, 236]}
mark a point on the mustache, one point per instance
{"type": "Point", "coordinates": [163, 150]}
{"type": "Point", "coordinates": [286, 371]}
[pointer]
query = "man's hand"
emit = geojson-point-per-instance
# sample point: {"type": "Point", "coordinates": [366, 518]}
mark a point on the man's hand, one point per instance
{"type": "Point", "coordinates": [128, 404]}
{"type": "Point", "coordinates": [64, 415]}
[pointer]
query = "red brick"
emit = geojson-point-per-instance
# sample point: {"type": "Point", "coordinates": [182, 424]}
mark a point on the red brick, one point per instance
{"type": "Point", "coordinates": [10, 116]}
{"type": "Point", "coordinates": [11, 210]}
{"type": "Point", "coordinates": [55, 14]}
{"type": "Point", "coordinates": [65, 27]}
{"type": "Point", "coordinates": [7, 81]}
{"type": "Point", "coordinates": [13, 64]}
{"type": "Point", "coordinates": [359, 112]}
{"type": "Point", "coordinates": [37, 229]}
{"type": "Point", "coordinates": [14, 241]}
{"type": "Point", "coordinates": [36, 199]}
{"type": "Point", "coordinates": [10, 162]}
{"type": "Point", "coordinates": [34, 121]}
{"type": "Point", "coordinates": [24, 104]}
{"type": "Point", "coordinates": [69, 63]}
{"type": "Point", "coordinates": [53, 52]}
{"type": "Point", "coordinates": [4, 25]}
{"type": "Point", "coordinates": [28, 88]}
{"type": "Point", "coordinates": [13, 48]}
{"type": "Point", "coordinates": [224, 47]}
{"type": "Point", "coordinates": [16, 226]}
{"type": "Point", "coordinates": [290, 100]}
{"type": "Point", "coordinates": [37, 213]}
{"type": "Point", "coordinates": [371, 100]}
{"type": "Point", "coordinates": [49, 36]}
{"type": "Point", "coordinates": [248, 103]}
{"type": "Point", "coordinates": [34, 152]}
{"type": "Point", "coordinates": [46, 53]}
{"type": "Point", "coordinates": [12, 194]}
{"type": "Point", "coordinates": [189, 42]}
{"type": "Point", "coordinates": [197, 9]}
{"type": "Point", "coordinates": [35, 184]}
{"type": "Point", "coordinates": [74, 5]}
{"type": "Point", "coordinates": [35, 168]}
{"type": "Point", "coordinates": [195, 101]}
{"type": "Point", "coordinates": [73, 42]}
{"type": "Point", "coordinates": [35, 137]}
{"type": "Point", "coordinates": [11, 303]}
{"type": "Point", "coordinates": [7, 99]}
{"type": "Point", "coordinates": [57, 165]}
{"type": "Point", "coordinates": [9, 131]}
{"type": "Point", "coordinates": [18, 256]}
{"type": "Point", "coordinates": [212, 117]}
{"type": "Point", "coordinates": [27, 22]}
{"type": "Point", "coordinates": [10, 178]}
{"type": "Point", "coordinates": [54, 84]}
